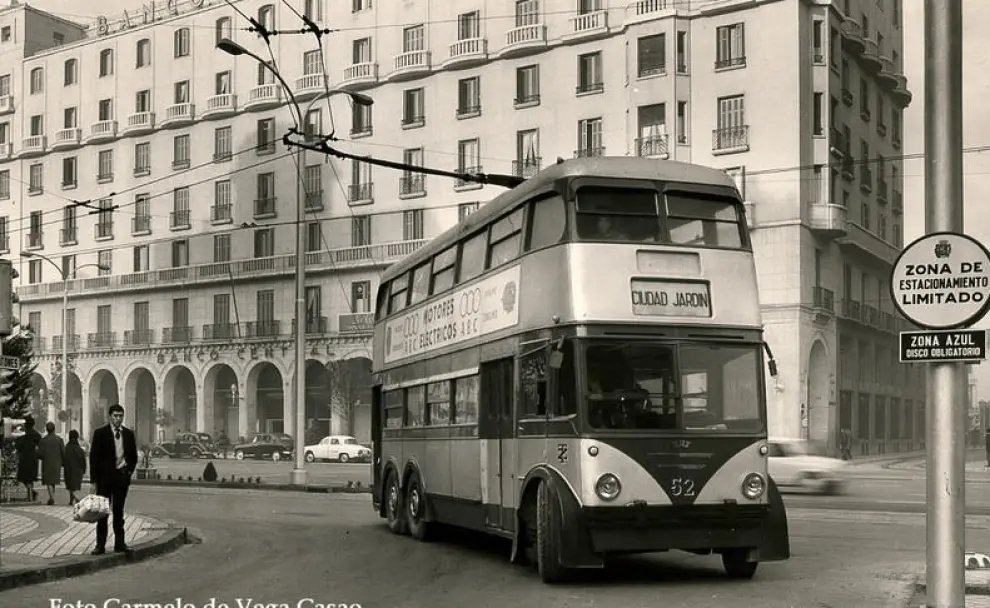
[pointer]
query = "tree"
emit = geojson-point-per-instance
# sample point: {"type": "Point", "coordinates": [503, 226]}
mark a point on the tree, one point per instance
{"type": "Point", "coordinates": [350, 383]}
{"type": "Point", "coordinates": [20, 344]}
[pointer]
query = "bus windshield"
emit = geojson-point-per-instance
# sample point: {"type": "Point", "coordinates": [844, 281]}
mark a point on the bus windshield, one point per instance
{"type": "Point", "coordinates": [674, 386]}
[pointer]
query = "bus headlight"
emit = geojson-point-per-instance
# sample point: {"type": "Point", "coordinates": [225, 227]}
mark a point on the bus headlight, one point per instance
{"type": "Point", "coordinates": [754, 486]}
{"type": "Point", "coordinates": [608, 487]}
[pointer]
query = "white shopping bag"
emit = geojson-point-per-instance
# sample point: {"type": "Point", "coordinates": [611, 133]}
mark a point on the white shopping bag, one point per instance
{"type": "Point", "coordinates": [91, 508]}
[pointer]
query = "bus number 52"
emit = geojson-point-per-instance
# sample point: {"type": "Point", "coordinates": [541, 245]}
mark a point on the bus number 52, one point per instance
{"type": "Point", "coordinates": [680, 486]}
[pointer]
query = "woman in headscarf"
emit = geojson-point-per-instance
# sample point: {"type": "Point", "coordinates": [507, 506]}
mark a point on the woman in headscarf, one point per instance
{"type": "Point", "coordinates": [27, 457]}
{"type": "Point", "coordinates": [52, 452]}
{"type": "Point", "coordinates": [75, 466]}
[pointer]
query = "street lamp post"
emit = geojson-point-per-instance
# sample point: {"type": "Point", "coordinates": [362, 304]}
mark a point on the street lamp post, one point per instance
{"type": "Point", "coordinates": [65, 324]}
{"type": "Point", "coordinates": [298, 476]}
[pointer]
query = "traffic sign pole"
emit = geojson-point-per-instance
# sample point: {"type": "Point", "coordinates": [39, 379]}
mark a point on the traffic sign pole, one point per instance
{"type": "Point", "coordinates": [945, 429]}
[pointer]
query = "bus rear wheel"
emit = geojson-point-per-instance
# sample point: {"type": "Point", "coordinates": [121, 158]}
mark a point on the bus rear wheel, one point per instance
{"type": "Point", "coordinates": [737, 564]}
{"type": "Point", "coordinates": [394, 511]}
{"type": "Point", "coordinates": [419, 528]}
{"type": "Point", "coordinates": [548, 536]}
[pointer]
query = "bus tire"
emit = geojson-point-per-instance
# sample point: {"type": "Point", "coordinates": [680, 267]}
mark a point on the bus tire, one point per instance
{"type": "Point", "coordinates": [737, 565]}
{"type": "Point", "coordinates": [395, 513]}
{"type": "Point", "coordinates": [415, 502]}
{"type": "Point", "coordinates": [548, 535]}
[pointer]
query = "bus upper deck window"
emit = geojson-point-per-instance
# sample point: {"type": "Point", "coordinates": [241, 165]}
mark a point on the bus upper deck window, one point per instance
{"type": "Point", "coordinates": [705, 220]}
{"type": "Point", "coordinates": [618, 214]}
{"type": "Point", "coordinates": [549, 220]}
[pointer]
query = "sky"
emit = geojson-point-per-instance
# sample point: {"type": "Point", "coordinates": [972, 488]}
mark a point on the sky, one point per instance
{"type": "Point", "coordinates": [976, 121]}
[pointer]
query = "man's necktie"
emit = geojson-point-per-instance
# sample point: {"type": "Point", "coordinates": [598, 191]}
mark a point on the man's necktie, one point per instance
{"type": "Point", "coordinates": [116, 434]}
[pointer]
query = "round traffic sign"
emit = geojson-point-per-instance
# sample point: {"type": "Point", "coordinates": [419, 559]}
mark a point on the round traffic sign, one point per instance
{"type": "Point", "coordinates": [942, 281]}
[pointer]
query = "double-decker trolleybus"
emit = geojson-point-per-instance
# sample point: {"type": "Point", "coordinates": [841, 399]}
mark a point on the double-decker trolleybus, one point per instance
{"type": "Point", "coordinates": [578, 366]}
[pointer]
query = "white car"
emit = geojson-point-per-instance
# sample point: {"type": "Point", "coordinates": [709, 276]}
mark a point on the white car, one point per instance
{"type": "Point", "coordinates": [342, 448]}
{"type": "Point", "coordinates": [977, 561]}
{"type": "Point", "coordinates": [791, 466]}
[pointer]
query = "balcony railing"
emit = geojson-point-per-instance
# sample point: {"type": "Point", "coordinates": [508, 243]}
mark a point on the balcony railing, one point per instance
{"type": "Point", "coordinates": [264, 207]}
{"type": "Point", "coordinates": [140, 224]}
{"type": "Point", "coordinates": [262, 329]}
{"type": "Point", "coordinates": [472, 170]}
{"type": "Point", "coordinates": [314, 325]}
{"type": "Point", "coordinates": [219, 272]}
{"type": "Point", "coordinates": [68, 236]}
{"type": "Point", "coordinates": [314, 201]}
{"type": "Point", "coordinates": [361, 192]}
{"type": "Point", "coordinates": [177, 335]}
{"type": "Point", "coordinates": [590, 87]}
{"type": "Point", "coordinates": [654, 145]}
{"type": "Point", "coordinates": [526, 168]}
{"type": "Point", "coordinates": [72, 342]}
{"type": "Point", "coordinates": [220, 331]}
{"type": "Point", "coordinates": [469, 109]}
{"type": "Point", "coordinates": [179, 219]}
{"type": "Point", "coordinates": [837, 142]}
{"type": "Point", "coordinates": [824, 299]}
{"type": "Point", "coordinates": [139, 337]}
{"type": "Point", "coordinates": [592, 152]}
{"type": "Point", "coordinates": [851, 309]}
{"type": "Point", "coordinates": [221, 213]}
{"type": "Point", "coordinates": [412, 184]}
{"type": "Point", "coordinates": [104, 230]}
{"type": "Point", "coordinates": [101, 340]}
{"type": "Point", "coordinates": [730, 138]}
{"type": "Point", "coordinates": [35, 240]}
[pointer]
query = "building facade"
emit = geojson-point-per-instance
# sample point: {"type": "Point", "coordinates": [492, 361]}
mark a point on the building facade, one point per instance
{"type": "Point", "coordinates": [136, 156]}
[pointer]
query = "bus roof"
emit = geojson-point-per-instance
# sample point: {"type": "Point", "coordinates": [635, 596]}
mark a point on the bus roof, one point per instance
{"type": "Point", "coordinates": [609, 167]}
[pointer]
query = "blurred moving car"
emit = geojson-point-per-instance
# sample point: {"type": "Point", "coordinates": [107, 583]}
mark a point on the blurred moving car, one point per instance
{"type": "Point", "coordinates": [265, 445]}
{"type": "Point", "coordinates": [342, 448]}
{"type": "Point", "coordinates": [791, 466]}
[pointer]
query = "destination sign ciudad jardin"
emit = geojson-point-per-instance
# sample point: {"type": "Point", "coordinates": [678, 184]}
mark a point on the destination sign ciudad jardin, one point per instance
{"type": "Point", "coordinates": [150, 11]}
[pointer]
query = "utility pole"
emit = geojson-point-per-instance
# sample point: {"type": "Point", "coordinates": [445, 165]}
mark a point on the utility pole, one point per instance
{"type": "Point", "coordinates": [946, 414]}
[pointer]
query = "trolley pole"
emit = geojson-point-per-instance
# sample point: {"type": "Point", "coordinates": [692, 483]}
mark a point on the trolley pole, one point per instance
{"type": "Point", "coordinates": [946, 430]}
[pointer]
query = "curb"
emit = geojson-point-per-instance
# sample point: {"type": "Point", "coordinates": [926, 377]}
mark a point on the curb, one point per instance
{"type": "Point", "coordinates": [920, 587]}
{"type": "Point", "coordinates": [279, 487]}
{"type": "Point", "coordinates": [166, 543]}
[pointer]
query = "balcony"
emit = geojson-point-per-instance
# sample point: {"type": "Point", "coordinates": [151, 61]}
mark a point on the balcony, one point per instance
{"type": "Point", "coordinates": [469, 110]}
{"type": "Point", "coordinates": [309, 85]}
{"type": "Point", "coordinates": [221, 214]}
{"type": "Point", "coordinates": [314, 201]}
{"type": "Point", "coordinates": [852, 36]}
{"type": "Point", "coordinates": [179, 220]}
{"type": "Point", "coordinates": [179, 115]}
{"type": "Point", "coordinates": [264, 208]}
{"type": "Point", "coordinates": [33, 146]}
{"type": "Point", "coordinates": [263, 97]}
{"type": "Point", "coordinates": [6, 104]}
{"type": "Point", "coordinates": [72, 343]}
{"type": "Point", "coordinates": [221, 331]}
{"type": "Point", "coordinates": [176, 335]}
{"type": "Point", "coordinates": [411, 186]}
{"type": "Point", "coordinates": [6, 151]}
{"type": "Point", "coordinates": [359, 322]}
{"type": "Point", "coordinates": [587, 26]}
{"type": "Point", "coordinates": [101, 340]}
{"type": "Point", "coordinates": [823, 300]}
{"type": "Point", "coordinates": [36, 240]}
{"type": "Point", "coordinates": [837, 143]}
{"type": "Point", "coordinates": [218, 273]}
{"type": "Point", "coordinates": [102, 131]}
{"type": "Point", "coordinates": [871, 56]}
{"type": "Point", "coordinates": [861, 242]}
{"type": "Point", "coordinates": [262, 329]}
{"type": "Point", "coordinates": [882, 191]}
{"type": "Point", "coordinates": [140, 225]}
{"type": "Point", "coordinates": [139, 337]}
{"type": "Point", "coordinates": [902, 96]}
{"type": "Point", "coordinates": [466, 53]}
{"type": "Point", "coordinates": [848, 166]}
{"type": "Point", "coordinates": [68, 236]}
{"type": "Point", "coordinates": [358, 194]}
{"type": "Point", "coordinates": [888, 74]}
{"type": "Point", "coordinates": [360, 76]}
{"type": "Point", "coordinates": [527, 168]}
{"type": "Point", "coordinates": [654, 146]}
{"type": "Point", "coordinates": [730, 140]}
{"type": "Point", "coordinates": [220, 106]}
{"type": "Point", "coordinates": [827, 219]}
{"type": "Point", "coordinates": [463, 185]}
{"type": "Point", "coordinates": [641, 11]}
{"type": "Point", "coordinates": [524, 40]}
{"type": "Point", "coordinates": [409, 65]}
{"type": "Point", "coordinates": [851, 310]}
{"type": "Point", "coordinates": [314, 325]}
{"type": "Point", "coordinates": [66, 139]}
{"type": "Point", "coordinates": [865, 179]}
{"type": "Point", "coordinates": [103, 230]}
{"type": "Point", "coordinates": [140, 123]}
{"type": "Point", "coordinates": [592, 152]}
{"type": "Point", "coordinates": [897, 202]}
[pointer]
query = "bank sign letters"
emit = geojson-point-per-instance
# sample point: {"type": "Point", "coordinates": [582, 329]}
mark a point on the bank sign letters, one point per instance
{"type": "Point", "coordinates": [941, 282]}
{"type": "Point", "coordinates": [471, 312]}
{"type": "Point", "coordinates": [150, 12]}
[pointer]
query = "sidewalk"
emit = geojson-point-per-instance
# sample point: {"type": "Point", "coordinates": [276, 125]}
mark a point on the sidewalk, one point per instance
{"type": "Point", "coordinates": [40, 543]}
{"type": "Point", "coordinates": [977, 590]}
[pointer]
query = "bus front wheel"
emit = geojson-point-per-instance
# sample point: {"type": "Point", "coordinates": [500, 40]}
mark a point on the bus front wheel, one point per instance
{"type": "Point", "coordinates": [737, 564]}
{"type": "Point", "coordinates": [548, 535]}
{"type": "Point", "coordinates": [394, 512]}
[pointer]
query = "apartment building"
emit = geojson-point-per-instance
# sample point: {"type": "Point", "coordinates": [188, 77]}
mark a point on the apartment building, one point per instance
{"type": "Point", "coordinates": [174, 149]}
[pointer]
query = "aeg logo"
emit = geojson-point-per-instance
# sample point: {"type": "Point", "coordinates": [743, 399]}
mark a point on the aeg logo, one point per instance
{"type": "Point", "coordinates": [470, 302]}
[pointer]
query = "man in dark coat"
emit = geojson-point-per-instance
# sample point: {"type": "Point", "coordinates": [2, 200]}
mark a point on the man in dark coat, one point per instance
{"type": "Point", "coordinates": [112, 460]}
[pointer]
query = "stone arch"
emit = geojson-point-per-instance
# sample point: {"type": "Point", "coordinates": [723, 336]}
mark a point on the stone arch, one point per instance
{"type": "Point", "coordinates": [179, 398]}
{"type": "Point", "coordinates": [817, 401]}
{"type": "Point", "coordinates": [265, 400]}
{"type": "Point", "coordinates": [69, 414]}
{"type": "Point", "coordinates": [104, 391]}
{"type": "Point", "coordinates": [223, 401]}
{"type": "Point", "coordinates": [141, 404]}
{"type": "Point", "coordinates": [38, 398]}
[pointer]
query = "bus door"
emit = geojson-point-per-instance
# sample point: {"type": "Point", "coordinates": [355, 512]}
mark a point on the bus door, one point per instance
{"type": "Point", "coordinates": [377, 423]}
{"type": "Point", "coordinates": [495, 434]}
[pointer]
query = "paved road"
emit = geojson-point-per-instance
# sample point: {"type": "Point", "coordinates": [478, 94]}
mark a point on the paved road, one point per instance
{"type": "Point", "coordinates": [282, 547]}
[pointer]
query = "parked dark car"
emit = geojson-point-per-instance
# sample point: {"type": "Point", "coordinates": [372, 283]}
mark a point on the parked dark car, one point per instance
{"type": "Point", "coordinates": [187, 445]}
{"type": "Point", "coordinates": [265, 445]}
